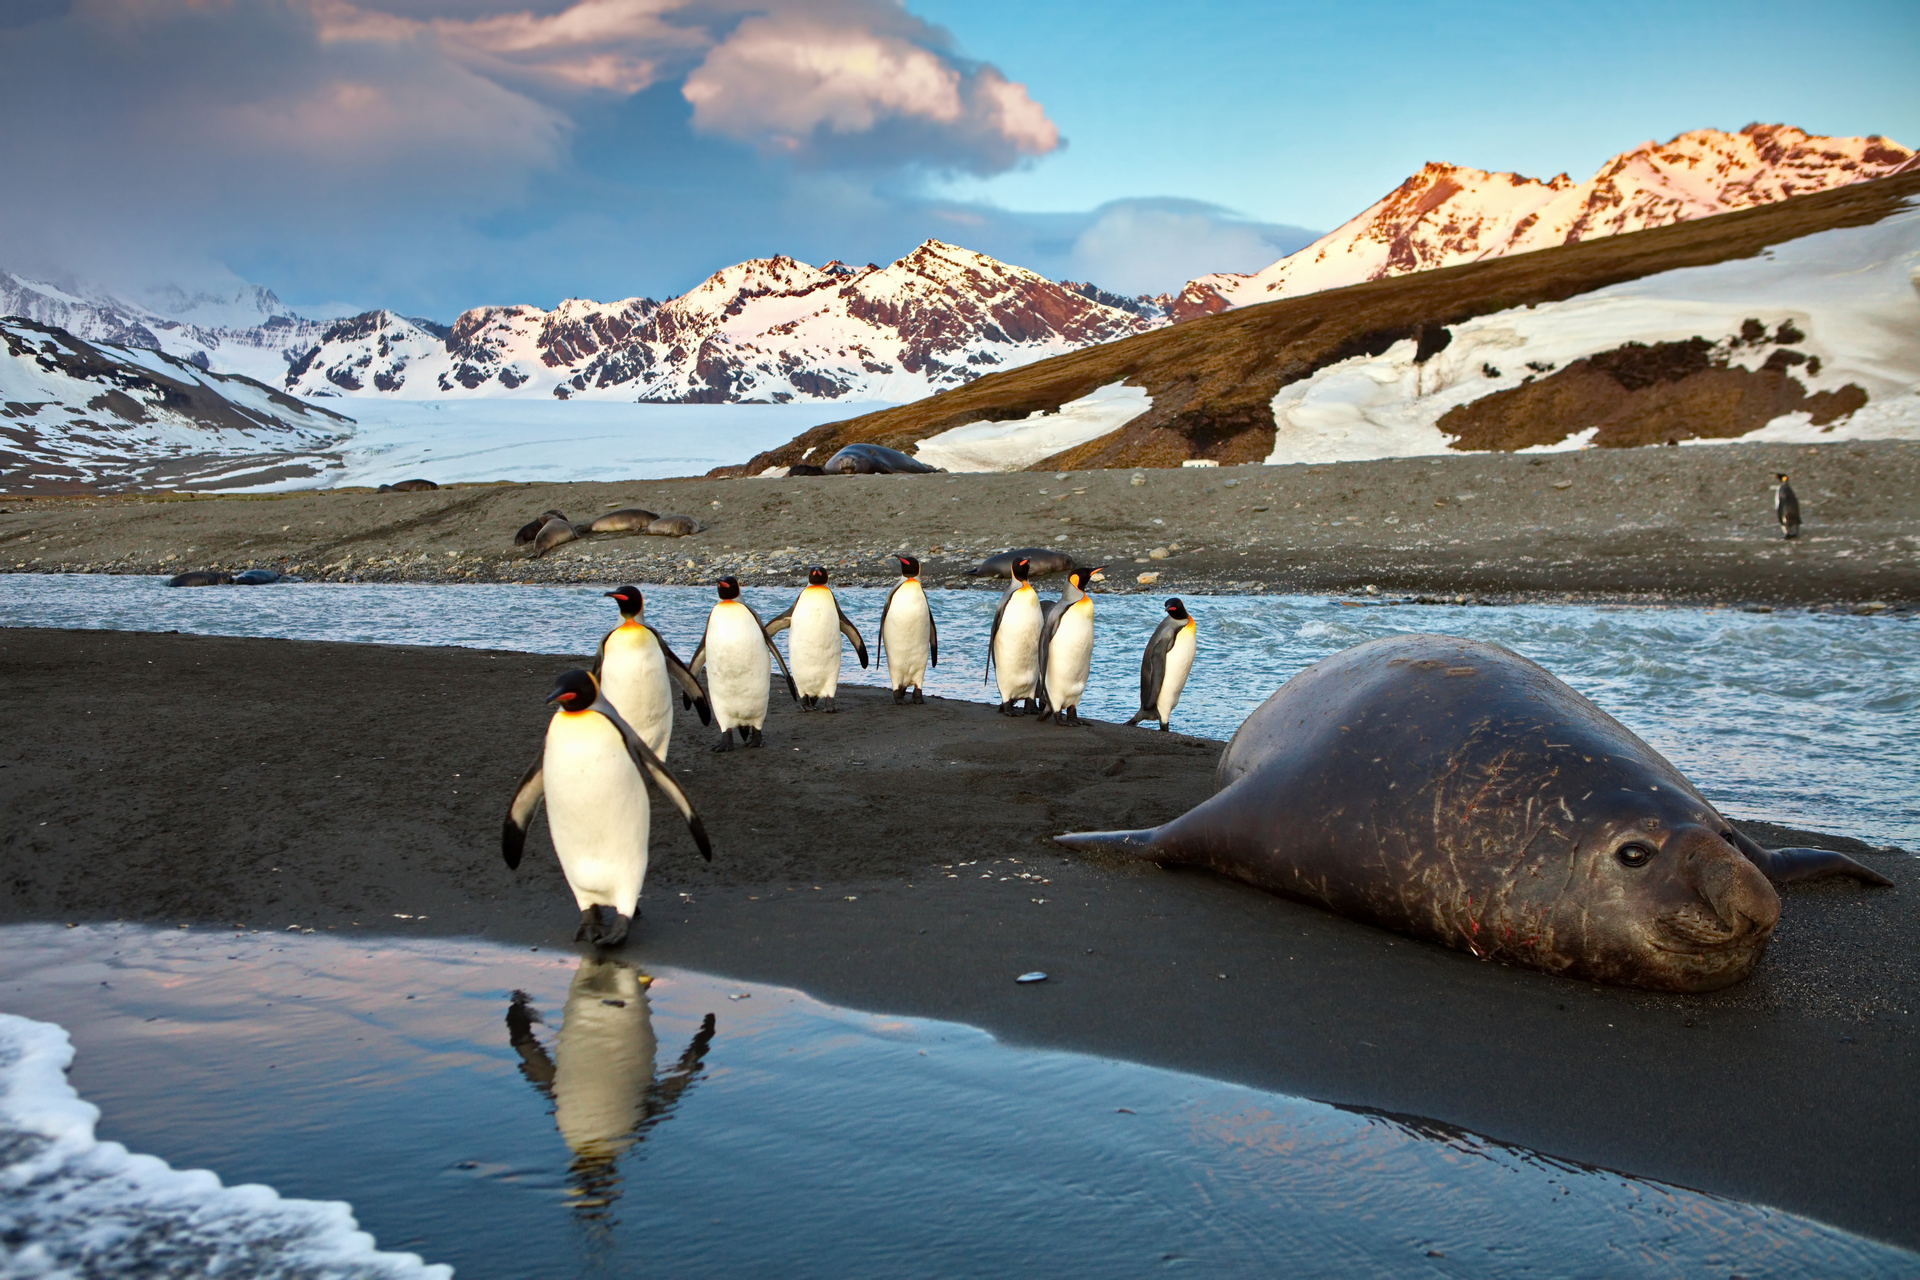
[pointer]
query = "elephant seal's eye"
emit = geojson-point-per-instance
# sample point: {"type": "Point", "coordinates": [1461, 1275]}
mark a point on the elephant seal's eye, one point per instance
{"type": "Point", "coordinates": [1634, 855]}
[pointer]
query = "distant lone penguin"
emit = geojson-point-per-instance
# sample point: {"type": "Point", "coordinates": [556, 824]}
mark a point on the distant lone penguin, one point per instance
{"type": "Point", "coordinates": [1066, 650]}
{"type": "Point", "coordinates": [1165, 665]}
{"type": "Point", "coordinates": [908, 639]}
{"type": "Point", "coordinates": [734, 654]}
{"type": "Point", "coordinates": [1786, 506]}
{"type": "Point", "coordinates": [593, 774]}
{"type": "Point", "coordinates": [813, 649]}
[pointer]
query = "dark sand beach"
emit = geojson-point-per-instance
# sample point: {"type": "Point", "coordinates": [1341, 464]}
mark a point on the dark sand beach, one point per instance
{"type": "Point", "coordinates": [1680, 525]}
{"type": "Point", "coordinates": [897, 859]}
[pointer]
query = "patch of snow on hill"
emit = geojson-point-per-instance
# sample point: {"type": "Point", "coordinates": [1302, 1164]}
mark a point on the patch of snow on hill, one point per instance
{"type": "Point", "coordinates": [1012, 446]}
{"type": "Point", "coordinates": [1851, 291]}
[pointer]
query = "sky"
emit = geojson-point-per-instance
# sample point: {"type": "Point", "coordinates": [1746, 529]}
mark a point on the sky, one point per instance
{"type": "Point", "coordinates": [432, 155]}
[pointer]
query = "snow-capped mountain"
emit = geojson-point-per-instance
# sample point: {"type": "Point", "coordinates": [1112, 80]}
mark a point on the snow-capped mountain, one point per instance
{"type": "Point", "coordinates": [248, 332]}
{"type": "Point", "coordinates": [82, 415]}
{"type": "Point", "coordinates": [771, 330]}
{"type": "Point", "coordinates": [1445, 214]}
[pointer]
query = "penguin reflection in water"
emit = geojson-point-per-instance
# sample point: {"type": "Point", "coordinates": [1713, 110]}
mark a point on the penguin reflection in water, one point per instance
{"type": "Point", "coordinates": [908, 638]}
{"type": "Point", "coordinates": [734, 652]}
{"type": "Point", "coordinates": [814, 646]}
{"type": "Point", "coordinates": [1786, 506]}
{"type": "Point", "coordinates": [600, 1073]}
{"type": "Point", "coordinates": [637, 672]}
{"type": "Point", "coordinates": [1066, 649]}
{"type": "Point", "coordinates": [593, 774]}
{"type": "Point", "coordinates": [1165, 665]}
{"type": "Point", "coordinates": [1013, 644]}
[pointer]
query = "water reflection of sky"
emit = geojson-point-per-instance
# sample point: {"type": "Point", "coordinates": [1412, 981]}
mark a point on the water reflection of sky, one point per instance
{"type": "Point", "coordinates": [695, 1127]}
{"type": "Point", "coordinates": [1806, 719]}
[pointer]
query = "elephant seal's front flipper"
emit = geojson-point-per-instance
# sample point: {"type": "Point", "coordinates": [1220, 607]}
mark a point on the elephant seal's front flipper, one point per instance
{"type": "Point", "coordinates": [1137, 843]}
{"type": "Point", "coordinates": [1783, 866]}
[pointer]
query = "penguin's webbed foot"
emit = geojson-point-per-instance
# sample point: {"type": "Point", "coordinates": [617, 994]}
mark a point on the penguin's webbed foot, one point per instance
{"type": "Point", "coordinates": [1007, 709]}
{"type": "Point", "coordinates": [726, 741]}
{"type": "Point", "coordinates": [1073, 714]}
{"type": "Point", "coordinates": [754, 739]}
{"type": "Point", "coordinates": [899, 696]}
{"type": "Point", "coordinates": [826, 705]}
{"type": "Point", "coordinates": [807, 701]}
{"type": "Point", "coordinates": [601, 926]}
{"type": "Point", "coordinates": [919, 697]}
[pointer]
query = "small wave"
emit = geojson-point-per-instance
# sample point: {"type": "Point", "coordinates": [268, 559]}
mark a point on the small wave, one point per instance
{"type": "Point", "coordinates": [71, 1205]}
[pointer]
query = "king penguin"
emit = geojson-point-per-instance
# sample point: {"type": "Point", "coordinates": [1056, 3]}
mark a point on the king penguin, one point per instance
{"type": "Point", "coordinates": [593, 774]}
{"type": "Point", "coordinates": [1786, 506]}
{"type": "Point", "coordinates": [1065, 650]}
{"type": "Point", "coordinates": [637, 671]}
{"type": "Point", "coordinates": [908, 637]}
{"type": "Point", "coordinates": [734, 651]}
{"type": "Point", "coordinates": [814, 646]}
{"type": "Point", "coordinates": [1165, 665]}
{"type": "Point", "coordinates": [1013, 643]}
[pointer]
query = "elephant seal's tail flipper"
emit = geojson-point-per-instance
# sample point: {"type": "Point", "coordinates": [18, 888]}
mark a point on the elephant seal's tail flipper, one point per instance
{"type": "Point", "coordinates": [1783, 866]}
{"type": "Point", "coordinates": [1138, 844]}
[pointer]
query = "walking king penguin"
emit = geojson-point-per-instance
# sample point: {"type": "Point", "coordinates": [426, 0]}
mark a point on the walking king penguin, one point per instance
{"type": "Point", "coordinates": [814, 645]}
{"type": "Point", "coordinates": [1013, 646]}
{"type": "Point", "coordinates": [592, 774]}
{"type": "Point", "coordinates": [734, 651]}
{"type": "Point", "coordinates": [1786, 506]}
{"type": "Point", "coordinates": [637, 672]}
{"type": "Point", "coordinates": [1066, 649]}
{"type": "Point", "coordinates": [908, 637]}
{"type": "Point", "coordinates": [1165, 665]}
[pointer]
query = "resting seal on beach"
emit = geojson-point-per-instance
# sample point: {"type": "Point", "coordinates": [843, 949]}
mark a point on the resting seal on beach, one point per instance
{"type": "Point", "coordinates": [531, 529]}
{"type": "Point", "coordinates": [256, 578]}
{"type": "Point", "coordinates": [201, 578]}
{"type": "Point", "coordinates": [1455, 791]}
{"type": "Point", "coordinates": [874, 460]}
{"type": "Point", "coordinates": [1040, 563]}
{"type": "Point", "coordinates": [409, 486]}
{"type": "Point", "coordinates": [673, 527]}
{"type": "Point", "coordinates": [552, 534]}
{"type": "Point", "coordinates": [625, 520]}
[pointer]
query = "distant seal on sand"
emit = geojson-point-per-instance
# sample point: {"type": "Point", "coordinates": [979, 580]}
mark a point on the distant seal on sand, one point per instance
{"type": "Point", "coordinates": [624, 520]}
{"type": "Point", "coordinates": [200, 578]}
{"type": "Point", "coordinates": [409, 486]}
{"type": "Point", "coordinates": [1040, 563]}
{"type": "Point", "coordinates": [531, 529]}
{"type": "Point", "coordinates": [1455, 791]}
{"type": "Point", "coordinates": [874, 460]}
{"type": "Point", "coordinates": [255, 578]}
{"type": "Point", "coordinates": [806, 469]}
{"type": "Point", "coordinates": [551, 535]}
{"type": "Point", "coordinates": [673, 526]}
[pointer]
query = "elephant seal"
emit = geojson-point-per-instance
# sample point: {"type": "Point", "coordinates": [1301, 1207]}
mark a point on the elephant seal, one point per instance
{"type": "Point", "coordinates": [531, 529]}
{"type": "Point", "coordinates": [627, 519]}
{"type": "Point", "coordinates": [1040, 563]}
{"type": "Point", "coordinates": [1455, 791]}
{"type": "Point", "coordinates": [409, 486]}
{"type": "Point", "coordinates": [874, 460]}
{"type": "Point", "coordinates": [805, 469]}
{"type": "Point", "coordinates": [552, 534]}
{"type": "Point", "coordinates": [201, 578]}
{"type": "Point", "coordinates": [255, 578]}
{"type": "Point", "coordinates": [673, 526]}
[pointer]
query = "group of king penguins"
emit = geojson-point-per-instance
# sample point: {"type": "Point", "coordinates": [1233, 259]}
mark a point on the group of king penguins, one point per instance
{"type": "Point", "coordinates": [613, 724]}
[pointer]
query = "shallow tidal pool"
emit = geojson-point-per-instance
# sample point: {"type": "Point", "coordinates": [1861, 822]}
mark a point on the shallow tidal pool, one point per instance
{"type": "Point", "coordinates": [525, 1113]}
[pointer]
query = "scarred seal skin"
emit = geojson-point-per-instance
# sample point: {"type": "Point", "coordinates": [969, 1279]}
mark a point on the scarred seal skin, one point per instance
{"type": "Point", "coordinates": [1455, 791]}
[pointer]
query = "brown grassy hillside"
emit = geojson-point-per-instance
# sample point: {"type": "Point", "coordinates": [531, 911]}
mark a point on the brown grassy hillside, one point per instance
{"type": "Point", "coordinates": [1212, 380]}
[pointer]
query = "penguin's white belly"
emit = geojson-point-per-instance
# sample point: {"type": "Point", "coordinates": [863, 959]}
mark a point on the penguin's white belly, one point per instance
{"type": "Point", "coordinates": [1069, 655]}
{"type": "Point", "coordinates": [603, 1060]}
{"type": "Point", "coordinates": [1179, 666]}
{"type": "Point", "coordinates": [633, 677]}
{"type": "Point", "coordinates": [1016, 650]}
{"type": "Point", "coordinates": [905, 636]}
{"type": "Point", "coordinates": [813, 643]}
{"type": "Point", "coordinates": [738, 676]}
{"type": "Point", "coordinates": [597, 811]}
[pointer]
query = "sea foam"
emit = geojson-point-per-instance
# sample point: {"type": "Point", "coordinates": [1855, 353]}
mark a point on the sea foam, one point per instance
{"type": "Point", "coordinates": [71, 1205]}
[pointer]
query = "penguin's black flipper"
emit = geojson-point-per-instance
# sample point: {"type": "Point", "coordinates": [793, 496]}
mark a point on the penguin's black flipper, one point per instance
{"type": "Point", "coordinates": [1153, 667]}
{"type": "Point", "coordinates": [698, 660]}
{"type": "Point", "coordinates": [650, 766]}
{"type": "Point", "coordinates": [1783, 866]}
{"type": "Point", "coordinates": [933, 639]}
{"type": "Point", "coordinates": [536, 1064]}
{"type": "Point", "coordinates": [780, 622]}
{"type": "Point", "coordinates": [880, 636]}
{"type": "Point", "coordinates": [994, 633]}
{"type": "Point", "coordinates": [691, 694]}
{"type": "Point", "coordinates": [526, 798]}
{"type": "Point", "coordinates": [600, 657]}
{"type": "Point", "coordinates": [852, 633]}
{"type": "Point", "coordinates": [767, 629]}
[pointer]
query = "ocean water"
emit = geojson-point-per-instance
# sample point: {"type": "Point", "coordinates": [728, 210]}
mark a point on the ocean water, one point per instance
{"type": "Point", "coordinates": [1807, 719]}
{"type": "Point", "coordinates": [525, 1113]}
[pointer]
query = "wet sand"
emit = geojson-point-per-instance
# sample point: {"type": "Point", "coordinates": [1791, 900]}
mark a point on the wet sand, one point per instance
{"type": "Point", "coordinates": [897, 859]}
{"type": "Point", "coordinates": [1682, 525]}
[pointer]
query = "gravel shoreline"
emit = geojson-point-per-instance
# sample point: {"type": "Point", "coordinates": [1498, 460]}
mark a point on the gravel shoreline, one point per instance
{"type": "Point", "coordinates": [1689, 525]}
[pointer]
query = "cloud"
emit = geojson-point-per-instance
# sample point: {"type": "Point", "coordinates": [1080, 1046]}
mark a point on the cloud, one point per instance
{"type": "Point", "coordinates": [1150, 246]}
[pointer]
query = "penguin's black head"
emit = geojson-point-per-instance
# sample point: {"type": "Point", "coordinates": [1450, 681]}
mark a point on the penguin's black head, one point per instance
{"type": "Point", "coordinates": [630, 601]}
{"type": "Point", "coordinates": [1083, 578]}
{"type": "Point", "coordinates": [1021, 568]}
{"type": "Point", "coordinates": [729, 587]}
{"type": "Point", "coordinates": [1176, 610]}
{"type": "Point", "coordinates": [909, 567]}
{"type": "Point", "coordinates": [816, 577]}
{"type": "Point", "coordinates": [574, 690]}
{"type": "Point", "coordinates": [1780, 477]}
